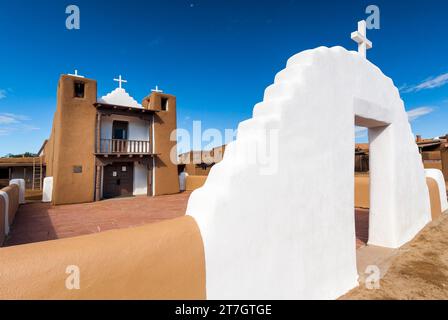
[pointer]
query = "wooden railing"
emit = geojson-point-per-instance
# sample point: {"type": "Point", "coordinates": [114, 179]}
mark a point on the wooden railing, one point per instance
{"type": "Point", "coordinates": [116, 146]}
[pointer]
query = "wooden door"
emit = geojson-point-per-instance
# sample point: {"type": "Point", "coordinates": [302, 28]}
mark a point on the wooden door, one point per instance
{"type": "Point", "coordinates": [118, 180]}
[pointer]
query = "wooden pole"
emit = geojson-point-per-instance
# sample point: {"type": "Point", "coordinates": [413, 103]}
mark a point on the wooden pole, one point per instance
{"type": "Point", "coordinates": [98, 132]}
{"type": "Point", "coordinates": [98, 183]}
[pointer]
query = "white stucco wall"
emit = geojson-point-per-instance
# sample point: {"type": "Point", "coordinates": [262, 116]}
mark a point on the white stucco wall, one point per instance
{"type": "Point", "coordinates": [138, 128]}
{"type": "Point", "coordinates": [5, 197]}
{"type": "Point", "coordinates": [21, 184]}
{"type": "Point", "coordinates": [283, 227]}
{"type": "Point", "coordinates": [47, 193]}
{"type": "Point", "coordinates": [140, 179]}
{"type": "Point", "coordinates": [182, 181]}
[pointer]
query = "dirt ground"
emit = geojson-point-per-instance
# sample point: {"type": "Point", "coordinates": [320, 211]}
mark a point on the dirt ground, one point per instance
{"type": "Point", "coordinates": [419, 270]}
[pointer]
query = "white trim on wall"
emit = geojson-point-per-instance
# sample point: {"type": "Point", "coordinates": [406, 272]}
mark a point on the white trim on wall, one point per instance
{"type": "Point", "coordinates": [6, 211]}
{"type": "Point", "coordinates": [153, 159]}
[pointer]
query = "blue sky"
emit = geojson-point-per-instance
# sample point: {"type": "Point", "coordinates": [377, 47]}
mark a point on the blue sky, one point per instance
{"type": "Point", "coordinates": [216, 56]}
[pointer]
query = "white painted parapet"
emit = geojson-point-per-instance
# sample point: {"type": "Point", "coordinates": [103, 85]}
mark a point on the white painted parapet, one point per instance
{"type": "Point", "coordinates": [21, 184]}
{"type": "Point", "coordinates": [48, 189]}
{"type": "Point", "coordinates": [183, 180]}
{"type": "Point", "coordinates": [437, 175]}
{"type": "Point", "coordinates": [283, 227]}
{"type": "Point", "coordinates": [5, 196]}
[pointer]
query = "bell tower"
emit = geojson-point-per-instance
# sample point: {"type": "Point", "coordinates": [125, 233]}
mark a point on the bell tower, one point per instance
{"type": "Point", "coordinates": [73, 135]}
{"type": "Point", "coordinates": [165, 175]}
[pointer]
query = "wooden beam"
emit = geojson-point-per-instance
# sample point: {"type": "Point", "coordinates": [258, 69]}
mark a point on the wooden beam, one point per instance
{"type": "Point", "coordinates": [98, 183]}
{"type": "Point", "coordinates": [98, 132]}
{"type": "Point", "coordinates": [149, 179]}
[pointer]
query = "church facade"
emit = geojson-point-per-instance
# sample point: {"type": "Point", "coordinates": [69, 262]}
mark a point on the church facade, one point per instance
{"type": "Point", "coordinates": [109, 147]}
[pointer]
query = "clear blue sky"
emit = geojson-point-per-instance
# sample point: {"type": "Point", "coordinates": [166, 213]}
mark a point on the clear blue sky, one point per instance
{"type": "Point", "coordinates": [216, 56]}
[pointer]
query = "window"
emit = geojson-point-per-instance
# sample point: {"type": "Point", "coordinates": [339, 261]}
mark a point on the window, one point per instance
{"type": "Point", "coordinates": [164, 104]}
{"type": "Point", "coordinates": [120, 130]}
{"type": "Point", "coordinates": [4, 173]}
{"type": "Point", "coordinates": [79, 89]}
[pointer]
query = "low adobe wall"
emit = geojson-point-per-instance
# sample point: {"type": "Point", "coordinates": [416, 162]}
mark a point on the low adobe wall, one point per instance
{"type": "Point", "coordinates": [362, 195]}
{"type": "Point", "coordinates": [362, 192]}
{"type": "Point", "coordinates": [13, 193]}
{"type": "Point", "coordinates": [163, 260]}
{"type": "Point", "coordinates": [2, 221]}
{"type": "Point", "coordinates": [194, 182]}
{"type": "Point", "coordinates": [434, 198]}
{"type": "Point", "coordinates": [433, 165]}
{"type": "Point", "coordinates": [9, 204]}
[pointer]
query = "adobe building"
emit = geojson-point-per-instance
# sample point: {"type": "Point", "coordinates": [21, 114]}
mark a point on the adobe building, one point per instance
{"type": "Point", "coordinates": [109, 147]}
{"type": "Point", "coordinates": [434, 153]}
{"type": "Point", "coordinates": [30, 169]}
{"type": "Point", "coordinates": [199, 163]}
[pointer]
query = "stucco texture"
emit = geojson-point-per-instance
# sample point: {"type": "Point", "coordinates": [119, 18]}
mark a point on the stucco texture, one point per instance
{"type": "Point", "coordinates": [2, 221]}
{"type": "Point", "coordinates": [72, 143]}
{"type": "Point", "coordinates": [158, 261]}
{"type": "Point", "coordinates": [434, 198]}
{"type": "Point", "coordinates": [166, 179]}
{"type": "Point", "coordinates": [13, 195]}
{"type": "Point", "coordinates": [291, 214]}
{"type": "Point", "coordinates": [362, 192]}
{"type": "Point", "coordinates": [194, 182]}
{"type": "Point", "coordinates": [434, 181]}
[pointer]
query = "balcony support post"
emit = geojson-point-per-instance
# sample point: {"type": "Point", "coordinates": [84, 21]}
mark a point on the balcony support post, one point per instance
{"type": "Point", "coordinates": [98, 132]}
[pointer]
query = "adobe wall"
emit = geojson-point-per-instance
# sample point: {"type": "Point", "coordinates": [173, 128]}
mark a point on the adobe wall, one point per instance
{"type": "Point", "coordinates": [362, 192]}
{"type": "Point", "coordinates": [158, 261]}
{"type": "Point", "coordinates": [74, 143]}
{"type": "Point", "coordinates": [49, 149]}
{"type": "Point", "coordinates": [434, 197]}
{"type": "Point", "coordinates": [13, 200]}
{"type": "Point", "coordinates": [194, 182]}
{"type": "Point", "coordinates": [444, 156]}
{"type": "Point", "coordinates": [362, 195]}
{"type": "Point", "coordinates": [433, 165]}
{"type": "Point", "coordinates": [165, 123]}
{"type": "Point", "coordinates": [2, 221]}
{"type": "Point", "coordinates": [9, 204]}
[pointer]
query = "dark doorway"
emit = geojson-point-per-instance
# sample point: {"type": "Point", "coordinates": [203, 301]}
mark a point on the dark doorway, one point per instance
{"type": "Point", "coordinates": [120, 130]}
{"type": "Point", "coordinates": [118, 180]}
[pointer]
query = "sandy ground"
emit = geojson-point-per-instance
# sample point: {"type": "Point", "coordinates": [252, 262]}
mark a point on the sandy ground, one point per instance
{"type": "Point", "coordinates": [418, 270]}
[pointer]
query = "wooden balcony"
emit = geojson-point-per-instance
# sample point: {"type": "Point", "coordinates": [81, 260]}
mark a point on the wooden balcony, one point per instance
{"type": "Point", "coordinates": [123, 147]}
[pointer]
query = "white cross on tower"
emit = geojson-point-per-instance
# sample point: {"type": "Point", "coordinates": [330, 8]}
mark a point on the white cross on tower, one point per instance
{"type": "Point", "coordinates": [76, 74]}
{"type": "Point", "coordinates": [120, 81]}
{"type": "Point", "coordinates": [360, 37]}
{"type": "Point", "coordinates": [157, 90]}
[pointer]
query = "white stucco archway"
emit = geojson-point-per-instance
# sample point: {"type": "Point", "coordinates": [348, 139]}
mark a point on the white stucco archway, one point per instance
{"type": "Point", "coordinates": [288, 232]}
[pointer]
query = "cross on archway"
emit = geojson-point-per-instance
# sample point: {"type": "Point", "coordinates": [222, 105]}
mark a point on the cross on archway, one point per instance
{"type": "Point", "coordinates": [120, 81]}
{"type": "Point", "coordinates": [360, 37]}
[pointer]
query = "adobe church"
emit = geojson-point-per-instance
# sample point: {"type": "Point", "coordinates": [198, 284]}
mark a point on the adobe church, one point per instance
{"type": "Point", "coordinates": [109, 147]}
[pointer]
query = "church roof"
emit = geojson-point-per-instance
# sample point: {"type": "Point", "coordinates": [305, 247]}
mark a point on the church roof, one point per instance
{"type": "Point", "coordinates": [120, 97]}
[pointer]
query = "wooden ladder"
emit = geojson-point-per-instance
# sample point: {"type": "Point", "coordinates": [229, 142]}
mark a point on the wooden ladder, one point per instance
{"type": "Point", "coordinates": [37, 174]}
